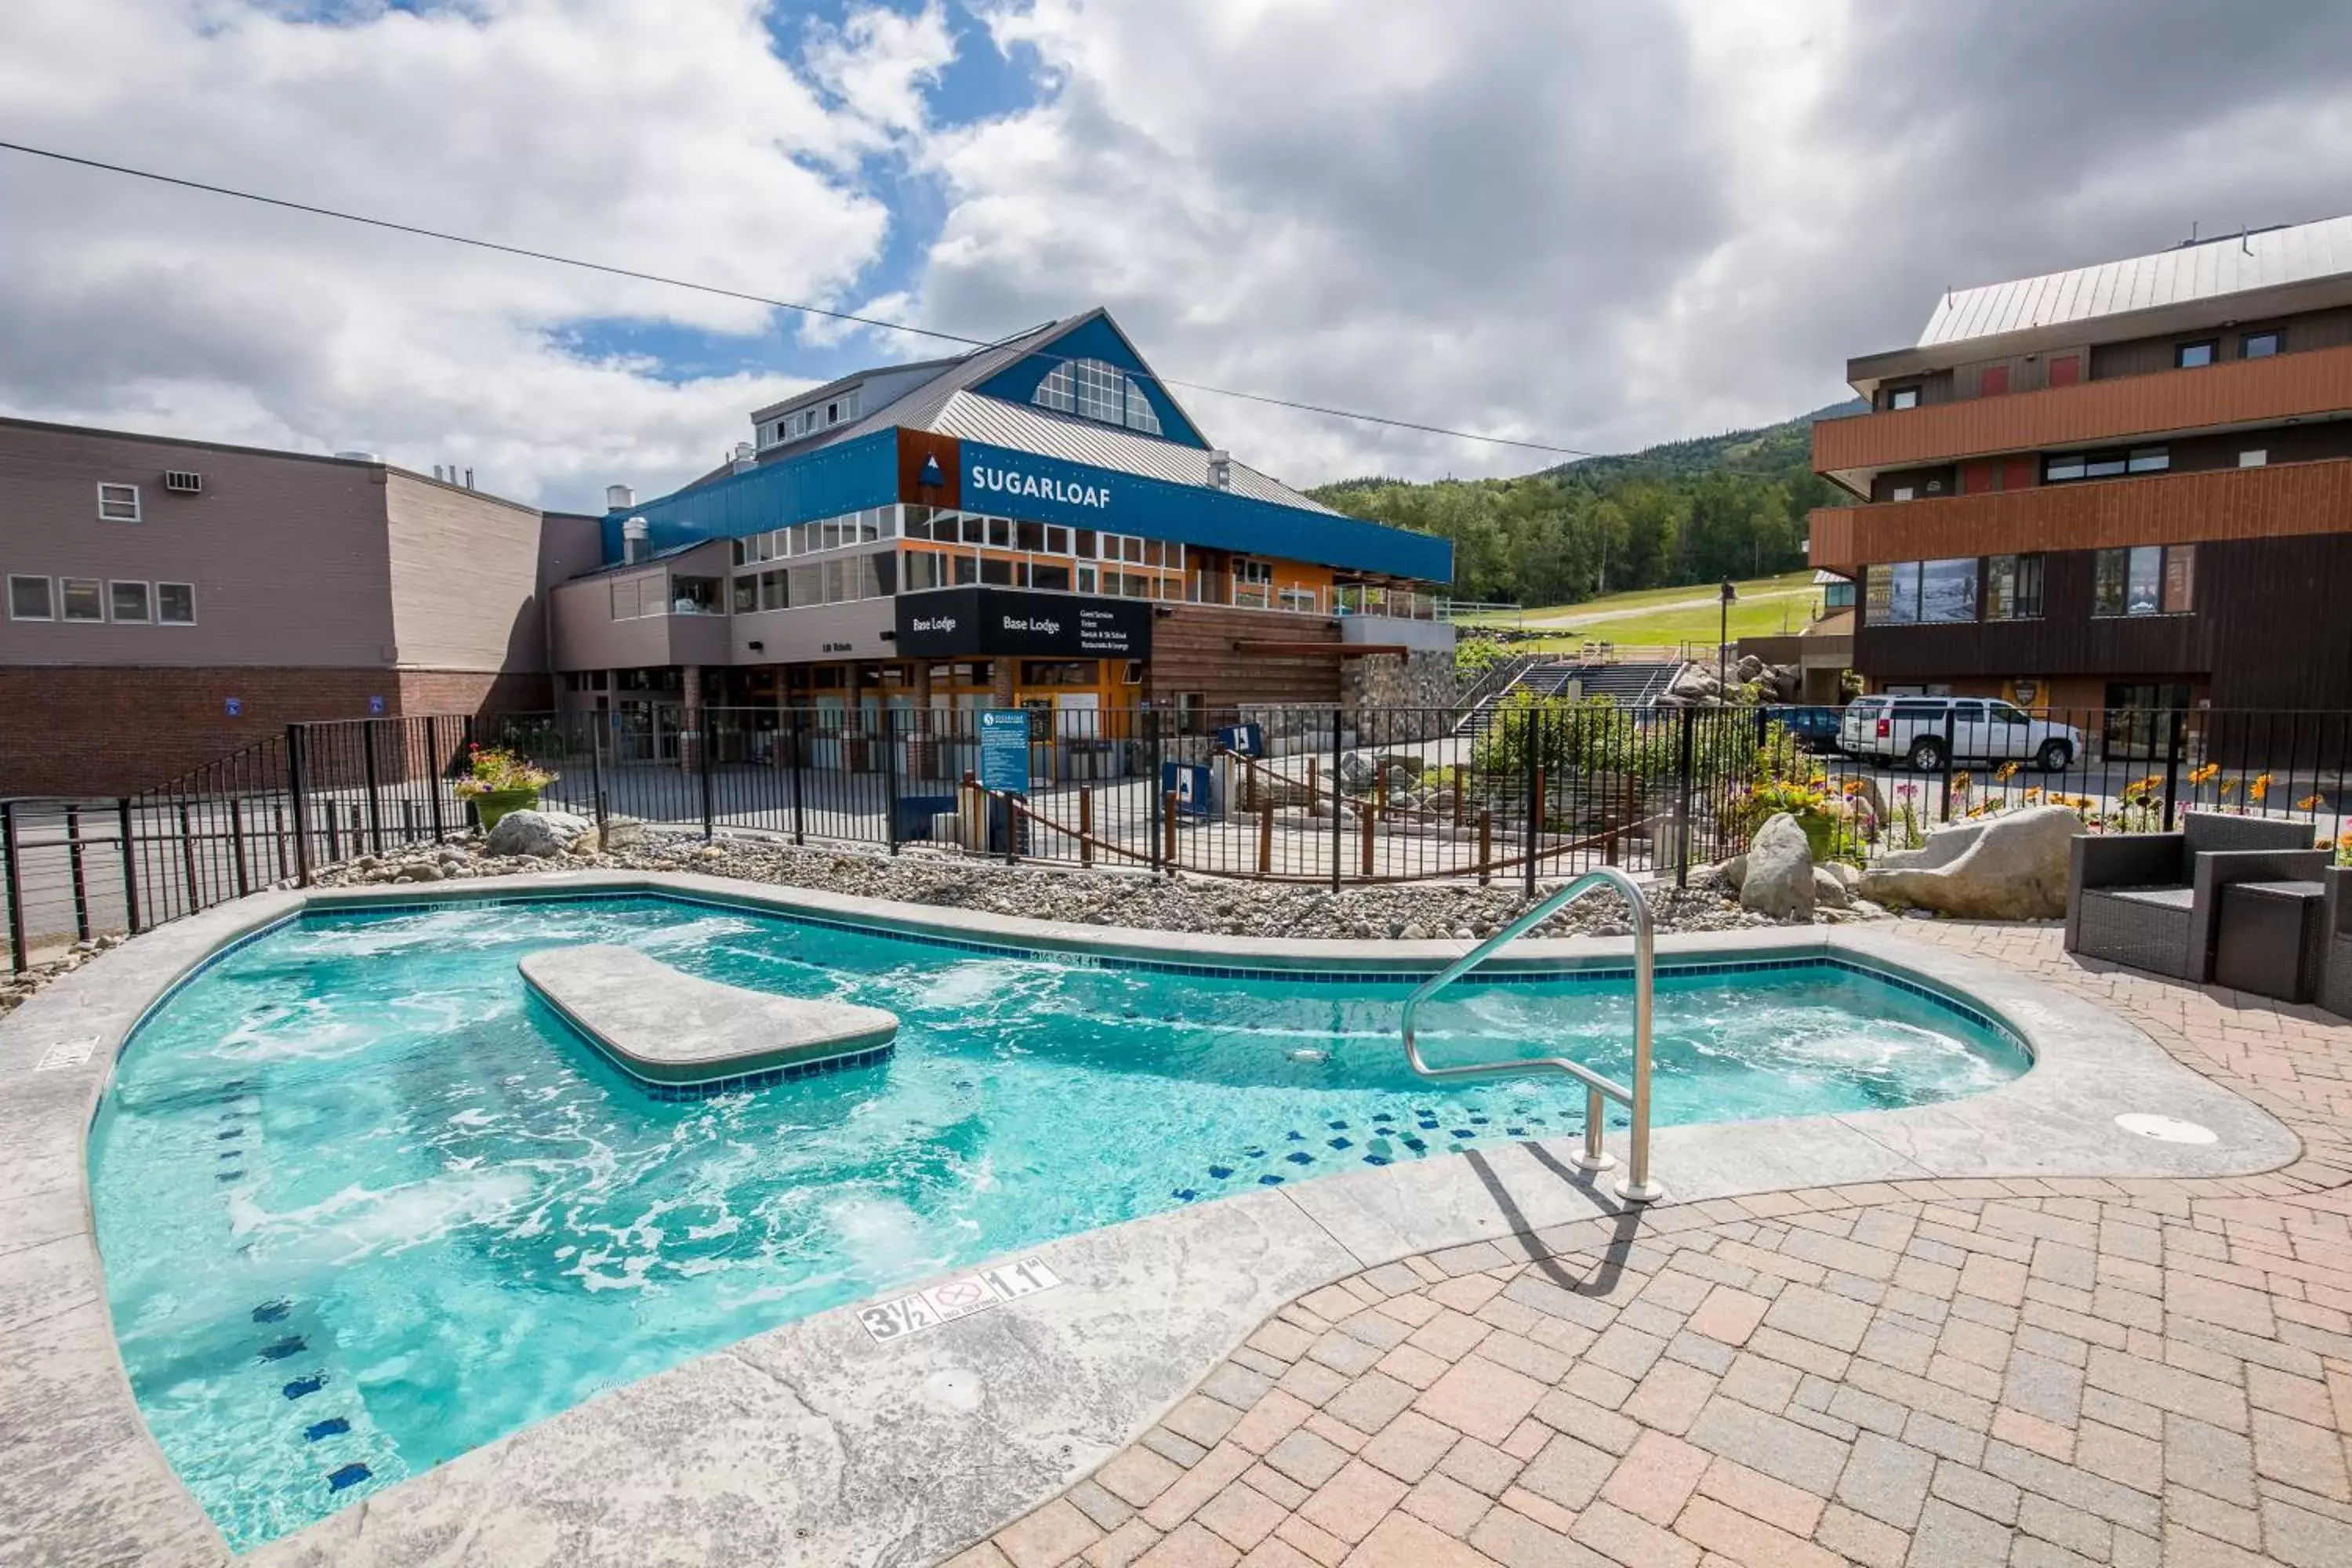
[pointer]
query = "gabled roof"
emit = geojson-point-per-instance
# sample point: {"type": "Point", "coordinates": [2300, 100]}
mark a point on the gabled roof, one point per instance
{"type": "Point", "coordinates": [2208, 270]}
{"type": "Point", "coordinates": [948, 405]}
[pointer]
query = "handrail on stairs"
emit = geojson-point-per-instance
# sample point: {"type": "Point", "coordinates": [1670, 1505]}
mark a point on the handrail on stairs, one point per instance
{"type": "Point", "coordinates": [1635, 1186]}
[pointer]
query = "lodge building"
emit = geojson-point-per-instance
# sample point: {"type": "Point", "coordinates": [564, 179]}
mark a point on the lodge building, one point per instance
{"type": "Point", "coordinates": [2124, 487]}
{"type": "Point", "coordinates": [1036, 524]}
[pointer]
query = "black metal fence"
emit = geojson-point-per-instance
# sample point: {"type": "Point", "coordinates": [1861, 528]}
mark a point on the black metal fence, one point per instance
{"type": "Point", "coordinates": [1522, 791]}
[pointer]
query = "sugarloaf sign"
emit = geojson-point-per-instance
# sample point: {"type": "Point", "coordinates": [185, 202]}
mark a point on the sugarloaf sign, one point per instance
{"type": "Point", "coordinates": [986, 478]}
{"type": "Point", "coordinates": [962, 623]}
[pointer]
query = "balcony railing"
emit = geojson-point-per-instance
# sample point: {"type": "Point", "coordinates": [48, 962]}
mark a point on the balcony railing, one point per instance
{"type": "Point", "coordinates": [2168, 509]}
{"type": "Point", "coordinates": [2241, 392]}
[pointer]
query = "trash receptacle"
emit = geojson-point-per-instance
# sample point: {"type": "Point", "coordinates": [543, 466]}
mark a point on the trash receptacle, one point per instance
{"type": "Point", "coordinates": [917, 811]}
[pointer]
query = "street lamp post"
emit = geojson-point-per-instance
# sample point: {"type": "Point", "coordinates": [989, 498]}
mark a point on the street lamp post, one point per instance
{"type": "Point", "coordinates": [1722, 642]}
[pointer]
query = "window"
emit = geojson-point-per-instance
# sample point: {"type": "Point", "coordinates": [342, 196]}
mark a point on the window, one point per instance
{"type": "Point", "coordinates": [775, 589]}
{"type": "Point", "coordinates": [82, 599]}
{"type": "Point", "coordinates": [1903, 397]}
{"type": "Point", "coordinates": [2064, 467]}
{"type": "Point", "coordinates": [128, 601]}
{"type": "Point", "coordinates": [2254, 457]}
{"type": "Point", "coordinates": [747, 595]}
{"type": "Point", "coordinates": [2145, 580]}
{"type": "Point", "coordinates": [2013, 588]}
{"type": "Point", "coordinates": [117, 504]}
{"type": "Point", "coordinates": [922, 571]}
{"type": "Point", "coordinates": [1905, 492]}
{"type": "Point", "coordinates": [28, 599]}
{"type": "Point", "coordinates": [2189, 356]}
{"type": "Point", "coordinates": [176, 603]}
{"type": "Point", "coordinates": [2260, 345]}
{"type": "Point", "coordinates": [1094, 390]}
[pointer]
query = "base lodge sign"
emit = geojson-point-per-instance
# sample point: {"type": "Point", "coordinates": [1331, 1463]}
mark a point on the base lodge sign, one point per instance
{"type": "Point", "coordinates": [961, 623]}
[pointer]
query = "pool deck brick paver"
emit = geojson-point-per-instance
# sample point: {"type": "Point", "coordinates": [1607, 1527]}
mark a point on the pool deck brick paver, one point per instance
{"type": "Point", "coordinates": [1952, 1374]}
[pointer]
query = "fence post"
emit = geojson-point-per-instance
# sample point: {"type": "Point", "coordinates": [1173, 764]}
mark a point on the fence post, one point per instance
{"type": "Point", "coordinates": [1684, 749]}
{"type": "Point", "coordinates": [1086, 825]}
{"type": "Point", "coordinates": [2172, 764]}
{"type": "Point", "coordinates": [1265, 836]}
{"type": "Point", "coordinates": [1485, 845]}
{"type": "Point", "coordinates": [1945, 810]}
{"type": "Point", "coordinates": [1338, 810]}
{"type": "Point", "coordinates": [889, 717]}
{"type": "Point", "coordinates": [435, 766]}
{"type": "Point", "coordinates": [702, 750]}
{"type": "Point", "coordinates": [130, 865]}
{"type": "Point", "coordinates": [596, 775]}
{"type": "Point", "coordinates": [188, 858]}
{"type": "Point", "coordinates": [81, 882]}
{"type": "Point", "coordinates": [1168, 828]}
{"type": "Point", "coordinates": [375, 796]}
{"type": "Point", "coordinates": [295, 783]}
{"type": "Point", "coordinates": [1365, 823]}
{"type": "Point", "coordinates": [1151, 789]}
{"type": "Point", "coordinates": [11, 863]}
{"type": "Point", "coordinates": [236, 844]}
{"type": "Point", "coordinates": [1535, 796]}
{"type": "Point", "coordinates": [798, 835]}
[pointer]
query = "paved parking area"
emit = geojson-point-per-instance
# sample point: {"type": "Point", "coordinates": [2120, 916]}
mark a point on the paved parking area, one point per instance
{"type": "Point", "coordinates": [1945, 1374]}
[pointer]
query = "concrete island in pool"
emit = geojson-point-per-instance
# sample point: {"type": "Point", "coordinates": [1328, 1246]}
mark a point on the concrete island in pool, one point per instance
{"type": "Point", "coordinates": [812, 1442]}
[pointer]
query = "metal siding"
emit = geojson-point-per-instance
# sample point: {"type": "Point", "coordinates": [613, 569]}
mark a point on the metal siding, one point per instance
{"type": "Point", "coordinates": [824, 483]}
{"type": "Point", "coordinates": [1193, 514]}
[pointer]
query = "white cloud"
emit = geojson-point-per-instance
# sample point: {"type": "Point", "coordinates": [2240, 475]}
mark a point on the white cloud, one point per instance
{"type": "Point", "coordinates": [668, 139]}
{"type": "Point", "coordinates": [1588, 223]}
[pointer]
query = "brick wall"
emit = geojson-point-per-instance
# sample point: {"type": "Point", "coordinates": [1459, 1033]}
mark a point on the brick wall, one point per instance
{"type": "Point", "coordinates": [85, 730]}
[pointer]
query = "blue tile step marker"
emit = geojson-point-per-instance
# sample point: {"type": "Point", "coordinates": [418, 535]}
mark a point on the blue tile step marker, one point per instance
{"type": "Point", "coordinates": [272, 1311]}
{"type": "Point", "coordinates": [348, 1476]}
{"type": "Point", "coordinates": [332, 1427]}
{"type": "Point", "coordinates": [282, 1349]}
{"type": "Point", "coordinates": [302, 1385]}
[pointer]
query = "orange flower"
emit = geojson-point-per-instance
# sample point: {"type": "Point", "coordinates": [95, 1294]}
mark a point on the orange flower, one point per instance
{"type": "Point", "coordinates": [2205, 774]}
{"type": "Point", "coordinates": [2311, 803]}
{"type": "Point", "coordinates": [2033, 792]}
{"type": "Point", "coordinates": [2260, 787]}
{"type": "Point", "coordinates": [2006, 772]}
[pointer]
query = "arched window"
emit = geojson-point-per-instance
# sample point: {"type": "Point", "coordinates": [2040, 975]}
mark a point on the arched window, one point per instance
{"type": "Point", "coordinates": [1093, 390]}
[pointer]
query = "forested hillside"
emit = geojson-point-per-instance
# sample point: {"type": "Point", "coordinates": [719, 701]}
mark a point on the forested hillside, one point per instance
{"type": "Point", "coordinates": [1688, 511]}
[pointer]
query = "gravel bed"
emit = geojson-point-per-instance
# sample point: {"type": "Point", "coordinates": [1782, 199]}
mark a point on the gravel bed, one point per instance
{"type": "Point", "coordinates": [1188, 902]}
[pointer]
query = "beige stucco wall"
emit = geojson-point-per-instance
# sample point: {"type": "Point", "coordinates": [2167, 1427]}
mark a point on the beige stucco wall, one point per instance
{"type": "Point", "coordinates": [465, 577]}
{"type": "Point", "coordinates": [286, 554]}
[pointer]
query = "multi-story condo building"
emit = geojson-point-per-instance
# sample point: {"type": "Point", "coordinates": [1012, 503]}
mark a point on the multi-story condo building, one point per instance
{"type": "Point", "coordinates": [2127, 485]}
{"type": "Point", "coordinates": [169, 601]}
{"type": "Point", "coordinates": [1037, 524]}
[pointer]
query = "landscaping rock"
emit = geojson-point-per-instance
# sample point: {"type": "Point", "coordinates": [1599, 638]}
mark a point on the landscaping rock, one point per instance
{"type": "Point", "coordinates": [1780, 879]}
{"type": "Point", "coordinates": [422, 871]}
{"type": "Point", "coordinates": [2009, 867]}
{"type": "Point", "coordinates": [1829, 889]}
{"type": "Point", "coordinates": [541, 833]}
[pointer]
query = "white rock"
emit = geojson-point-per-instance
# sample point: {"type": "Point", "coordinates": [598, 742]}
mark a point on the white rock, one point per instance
{"type": "Point", "coordinates": [1779, 880]}
{"type": "Point", "coordinates": [543, 833]}
{"type": "Point", "coordinates": [2011, 867]}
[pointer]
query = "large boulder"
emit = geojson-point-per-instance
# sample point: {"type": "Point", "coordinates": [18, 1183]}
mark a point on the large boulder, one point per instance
{"type": "Point", "coordinates": [2011, 867]}
{"type": "Point", "coordinates": [1780, 879]}
{"type": "Point", "coordinates": [543, 833]}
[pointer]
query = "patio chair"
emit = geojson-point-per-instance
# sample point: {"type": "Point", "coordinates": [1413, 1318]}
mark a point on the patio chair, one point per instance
{"type": "Point", "coordinates": [2151, 901]}
{"type": "Point", "coordinates": [2336, 943]}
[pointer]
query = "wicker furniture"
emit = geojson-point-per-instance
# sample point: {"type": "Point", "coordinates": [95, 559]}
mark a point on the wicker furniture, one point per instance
{"type": "Point", "coordinates": [2269, 941]}
{"type": "Point", "coordinates": [2335, 980]}
{"type": "Point", "coordinates": [2150, 900]}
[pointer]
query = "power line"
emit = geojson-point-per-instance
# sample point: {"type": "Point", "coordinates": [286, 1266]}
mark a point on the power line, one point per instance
{"type": "Point", "coordinates": [849, 317]}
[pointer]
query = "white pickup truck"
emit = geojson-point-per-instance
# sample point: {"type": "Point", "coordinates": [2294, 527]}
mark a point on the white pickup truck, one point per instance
{"type": "Point", "coordinates": [1913, 730]}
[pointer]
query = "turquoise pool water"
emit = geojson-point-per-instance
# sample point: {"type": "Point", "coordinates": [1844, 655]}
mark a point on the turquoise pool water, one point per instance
{"type": "Point", "coordinates": [364, 1204]}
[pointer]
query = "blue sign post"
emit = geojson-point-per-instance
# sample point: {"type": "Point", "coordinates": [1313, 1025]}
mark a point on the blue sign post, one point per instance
{"type": "Point", "coordinates": [1004, 749]}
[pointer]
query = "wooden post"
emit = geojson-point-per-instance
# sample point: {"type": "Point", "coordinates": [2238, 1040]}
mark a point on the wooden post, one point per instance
{"type": "Point", "coordinates": [1265, 838]}
{"type": "Point", "coordinates": [1086, 825]}
{"type": "Point", "coordinates": [1485, 845]}
{"type": "Point", "coordinates": [1168, 828]}
{"type": "Point", "coordinates": [1458, 794]}
{"type": "Point", "coordinates": [1367, 822]}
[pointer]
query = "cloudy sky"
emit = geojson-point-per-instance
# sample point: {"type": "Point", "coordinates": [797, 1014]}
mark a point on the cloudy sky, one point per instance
{"type": "Point", "coordinates": [1596, 224]}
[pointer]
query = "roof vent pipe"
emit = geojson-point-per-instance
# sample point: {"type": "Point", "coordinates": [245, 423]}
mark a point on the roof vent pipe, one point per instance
{"type": "Point", "coordinates": [1221, 470]}
{"type": "Point", "coordinates": [741, 457]}
{"type": "Point", "coordinates": [633, 540]}
{"type": "Point", "coordinates": [619, 498]}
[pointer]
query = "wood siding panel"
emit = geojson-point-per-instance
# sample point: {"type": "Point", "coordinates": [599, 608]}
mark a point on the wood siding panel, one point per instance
{"type": "Point", "coordinates": [1192, 650]}
{"type": "Point", "coordinates": [2282, 500]}
{"type": "Point", "coordinates": [465, 578]}
{"type": "Point", "coordinates": [2256, 391]}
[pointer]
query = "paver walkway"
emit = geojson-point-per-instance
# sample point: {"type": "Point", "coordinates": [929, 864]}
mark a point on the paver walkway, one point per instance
{"type": "Point", "coordinates": [1947, 1375]}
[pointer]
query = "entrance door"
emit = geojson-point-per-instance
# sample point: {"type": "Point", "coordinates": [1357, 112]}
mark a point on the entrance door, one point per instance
{"type": "Point", "coordinates": [2140, 717]}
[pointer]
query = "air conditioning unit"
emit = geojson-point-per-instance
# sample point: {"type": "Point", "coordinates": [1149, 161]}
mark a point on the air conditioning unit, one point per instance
{"type": "Point", "coordinates": [182, 481]}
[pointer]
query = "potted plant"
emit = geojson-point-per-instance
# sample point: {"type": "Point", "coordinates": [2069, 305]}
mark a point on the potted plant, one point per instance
{"type": "Point", "coordinates": [498, 781]}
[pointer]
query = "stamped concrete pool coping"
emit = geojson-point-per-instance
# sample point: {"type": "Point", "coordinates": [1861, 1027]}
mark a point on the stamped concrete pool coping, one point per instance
{"type": "Point", "coordinates": [810, 1442]}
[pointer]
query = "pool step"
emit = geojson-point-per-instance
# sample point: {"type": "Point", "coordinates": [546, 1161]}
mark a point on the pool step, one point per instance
{"type": "Point", "coordinates": [1359, 1142]}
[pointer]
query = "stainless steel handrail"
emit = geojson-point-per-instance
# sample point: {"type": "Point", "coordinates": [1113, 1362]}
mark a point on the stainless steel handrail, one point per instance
{"type": "Point", "coordinates": [1635, 1187]}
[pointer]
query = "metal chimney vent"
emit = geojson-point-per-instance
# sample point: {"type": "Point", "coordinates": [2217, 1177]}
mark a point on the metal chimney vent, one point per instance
{"type": "Point", "coordinates": [634, 532]}
{"type": "Point", "coordinates": [619, 498]}
{"type": "Point", "coordinates": [1221, 470]}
